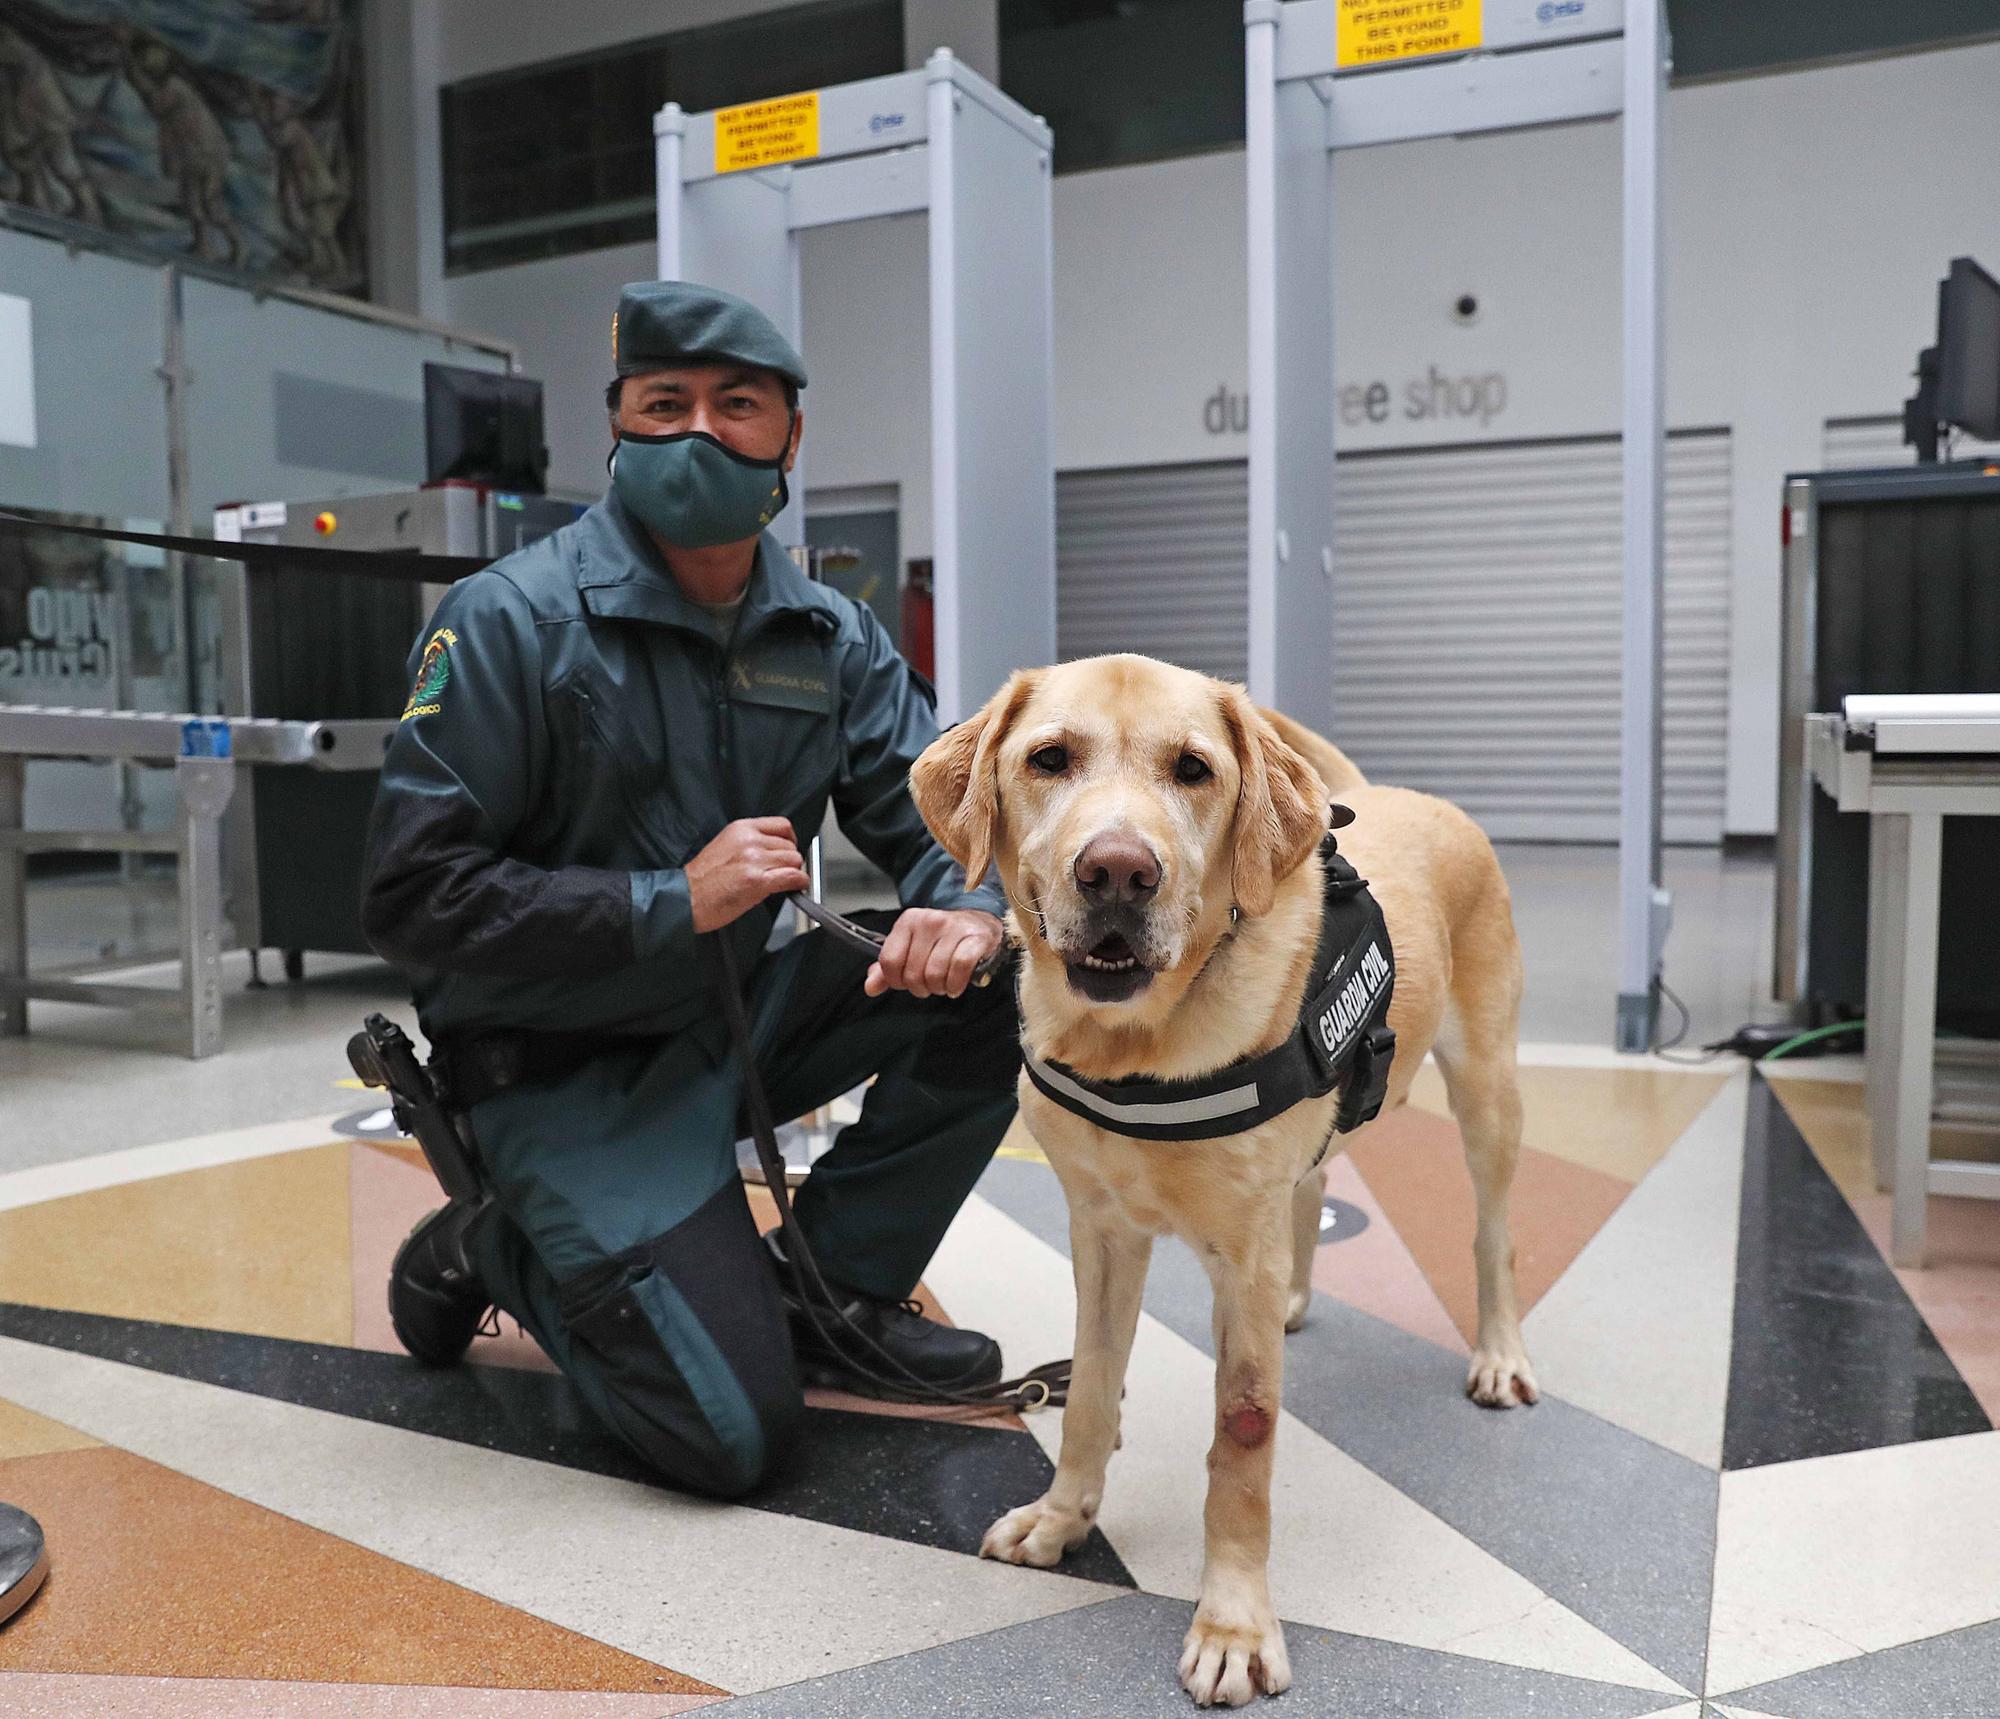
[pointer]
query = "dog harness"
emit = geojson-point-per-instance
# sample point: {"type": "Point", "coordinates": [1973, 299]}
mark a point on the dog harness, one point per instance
{"type": "Point", "coordinates": [1342, 1040]}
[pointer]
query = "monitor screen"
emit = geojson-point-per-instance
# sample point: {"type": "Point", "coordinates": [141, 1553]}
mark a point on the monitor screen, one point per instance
{"type": "Point", "coordinates": [483, 427]}
{"type": "Point", "coordinates": [1969, 350]}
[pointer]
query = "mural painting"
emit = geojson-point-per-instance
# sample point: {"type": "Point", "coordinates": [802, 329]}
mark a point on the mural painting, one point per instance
{"type": "Point", "coordinates": [225, 131]}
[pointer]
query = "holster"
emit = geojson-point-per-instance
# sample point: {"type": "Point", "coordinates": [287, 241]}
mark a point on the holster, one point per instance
{"type": "Point", "coordinates": [383, 1056]}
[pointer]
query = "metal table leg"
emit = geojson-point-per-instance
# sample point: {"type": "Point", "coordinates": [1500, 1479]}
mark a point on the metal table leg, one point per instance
{"type": "Point", "coordinates": [205, 785]}
{"type": "Point", "coordinates": [13, 895]}
{"type": "Point", "coordinates": [1902, 1045]}
{"type": "Point", "coordinates": [1887, 858]}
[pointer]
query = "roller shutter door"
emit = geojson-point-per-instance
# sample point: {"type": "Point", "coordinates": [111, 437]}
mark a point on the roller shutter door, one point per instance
{"type": "Point", "coordinates": [1476, 616]}
{"type": "Point", "coordinates": [1476, 631]}
{"type": "Point", "coordinates": [1154, 559]}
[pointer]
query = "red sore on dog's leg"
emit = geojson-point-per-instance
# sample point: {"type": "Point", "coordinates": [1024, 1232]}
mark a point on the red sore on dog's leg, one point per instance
{"type": "Point", "coordinates": [1248, 1425]}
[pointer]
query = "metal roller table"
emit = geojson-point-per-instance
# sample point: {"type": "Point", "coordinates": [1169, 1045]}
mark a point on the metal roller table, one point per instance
{"type": "Point", "coordinates": [204, 753]}
{"type": "Point", "coordinates": [1909, 762]}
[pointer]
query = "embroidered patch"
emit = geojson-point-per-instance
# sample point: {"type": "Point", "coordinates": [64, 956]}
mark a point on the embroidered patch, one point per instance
{"type": "Point", "coordinates": [433, 675]}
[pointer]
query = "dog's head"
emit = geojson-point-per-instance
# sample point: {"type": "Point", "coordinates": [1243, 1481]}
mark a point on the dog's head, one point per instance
{"type": "Point", "coordinates": [1130, 806]}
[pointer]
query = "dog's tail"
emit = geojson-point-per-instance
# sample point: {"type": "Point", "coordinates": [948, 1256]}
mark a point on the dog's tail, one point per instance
{"type": "Point", "coordinates": [1338, 771]}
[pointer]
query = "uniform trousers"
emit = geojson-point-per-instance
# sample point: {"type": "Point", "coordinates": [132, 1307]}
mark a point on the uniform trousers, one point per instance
{"type": "Point", "coordinates": [620, 1237]}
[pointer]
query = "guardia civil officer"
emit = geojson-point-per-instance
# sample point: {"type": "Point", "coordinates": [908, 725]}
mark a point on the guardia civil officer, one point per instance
{"type": "Point", "coordinates": [618, 742]}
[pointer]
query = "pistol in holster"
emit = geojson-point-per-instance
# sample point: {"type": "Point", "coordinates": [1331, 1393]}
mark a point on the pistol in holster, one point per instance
{"type": "Point", "coordinates": [383, 1056]}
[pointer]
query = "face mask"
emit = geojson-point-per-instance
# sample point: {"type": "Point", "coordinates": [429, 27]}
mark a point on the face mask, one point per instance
{"type": "Point", "coordinates": [692, 491]}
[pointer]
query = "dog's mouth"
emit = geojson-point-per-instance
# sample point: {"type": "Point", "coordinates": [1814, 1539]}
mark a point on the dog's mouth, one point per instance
{"type": "Point", "coordinates": [1110, 971]}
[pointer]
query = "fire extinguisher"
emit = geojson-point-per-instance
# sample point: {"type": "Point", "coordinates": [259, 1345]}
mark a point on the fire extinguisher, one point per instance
{"type": "Point", "coordinates": [919, 620]}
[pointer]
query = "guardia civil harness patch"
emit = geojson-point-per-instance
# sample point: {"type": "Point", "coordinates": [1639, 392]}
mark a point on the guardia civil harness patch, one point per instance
{"type": "Point", "coordinates": [433, 676]}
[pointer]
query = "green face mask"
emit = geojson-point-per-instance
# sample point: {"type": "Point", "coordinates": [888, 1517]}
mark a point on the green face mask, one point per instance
{"type": "Point", "coordinates": [692, 491]}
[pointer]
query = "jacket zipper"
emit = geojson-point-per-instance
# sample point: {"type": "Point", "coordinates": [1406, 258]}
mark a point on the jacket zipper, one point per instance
{"type": "Point", "coordinates": [729, 794]}
{"type": "Point", "coordinates": [665, 852]}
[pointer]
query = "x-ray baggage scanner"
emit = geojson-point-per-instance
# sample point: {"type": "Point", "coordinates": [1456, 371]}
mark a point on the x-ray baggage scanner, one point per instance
{"type": "Point", "coordinates": [1324, 75]}
{"type": "Point", "coordinates": [739, 185]}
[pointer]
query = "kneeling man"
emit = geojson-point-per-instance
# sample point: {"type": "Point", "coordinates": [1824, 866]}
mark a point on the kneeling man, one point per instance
{"type": "Point", "coordinates": [619, 741]}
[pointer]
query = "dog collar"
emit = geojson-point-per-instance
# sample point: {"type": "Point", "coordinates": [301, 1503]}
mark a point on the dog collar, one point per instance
{"type": "Point", "coordinates": [1342, 1040]}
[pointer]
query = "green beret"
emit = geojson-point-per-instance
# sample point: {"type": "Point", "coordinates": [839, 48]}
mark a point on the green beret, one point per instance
{"type": "Point", "coordinates": [680, 322]}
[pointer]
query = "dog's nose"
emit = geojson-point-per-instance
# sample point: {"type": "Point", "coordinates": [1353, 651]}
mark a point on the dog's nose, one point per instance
{"type": "Point", "coordinates": [1116, 868]}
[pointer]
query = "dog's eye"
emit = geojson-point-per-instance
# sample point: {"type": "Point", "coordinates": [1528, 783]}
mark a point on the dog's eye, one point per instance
{"type": "Point", "coordinates": [1050, 760]}
{"type": "Point", "coordinates": [1190, 770]}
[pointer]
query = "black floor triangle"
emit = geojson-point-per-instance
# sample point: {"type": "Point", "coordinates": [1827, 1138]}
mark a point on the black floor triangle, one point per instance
{"type": "Point", "coordinates": [1830, 1353]}
{"type": "Point", "coordinates": [931, 1483]}
{"type": "Point", "coordinates": [1949, 1676]}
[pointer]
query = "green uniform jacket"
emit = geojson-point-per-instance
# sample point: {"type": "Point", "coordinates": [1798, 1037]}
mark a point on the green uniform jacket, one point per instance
{"type": "Point", "coordinates": [576, 735]}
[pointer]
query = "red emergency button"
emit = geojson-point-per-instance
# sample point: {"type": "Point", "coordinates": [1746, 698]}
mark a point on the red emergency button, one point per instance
{"type": "Point", "coordinates": [325, 524]}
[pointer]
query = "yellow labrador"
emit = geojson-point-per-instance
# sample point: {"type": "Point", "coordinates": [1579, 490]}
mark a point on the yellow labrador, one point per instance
{"type": "Point", "coordinates": [1157, 833]}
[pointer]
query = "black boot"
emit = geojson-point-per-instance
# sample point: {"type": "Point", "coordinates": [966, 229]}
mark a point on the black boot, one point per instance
{"type": "Point", "coordinates": [938, 1355]}
{"type": "Point", "coordinates": [436, 1301]}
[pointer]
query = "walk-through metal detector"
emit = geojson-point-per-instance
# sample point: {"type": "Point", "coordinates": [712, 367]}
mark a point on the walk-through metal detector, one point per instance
{"type": "Point", "coordinates": [737, 187]}
{"type": "Point", "coordinates": [1343, 74]}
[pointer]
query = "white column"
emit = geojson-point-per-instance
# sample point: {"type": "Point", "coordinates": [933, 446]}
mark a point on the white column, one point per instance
{"type": "Point", "coordinates": [946, 560]}
{"type": "Point", "coordinates": [669, 132]}
{"type": "Point", "coordinates": [1260, 159]}
{"type": "Point", "coordinates": [1640, 915]}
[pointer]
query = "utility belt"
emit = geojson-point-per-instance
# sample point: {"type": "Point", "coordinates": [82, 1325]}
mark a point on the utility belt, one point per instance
{"type": "Point", "coordinates": [473, 1067]}
{"type": "Point", "coordinates": [432, 1104]}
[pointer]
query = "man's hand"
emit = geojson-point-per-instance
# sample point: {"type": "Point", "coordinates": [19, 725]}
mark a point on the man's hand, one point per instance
{"type": "Point", "coordinates": [931, 952]}
{"type": "Point", "coordinates": [752, 859]}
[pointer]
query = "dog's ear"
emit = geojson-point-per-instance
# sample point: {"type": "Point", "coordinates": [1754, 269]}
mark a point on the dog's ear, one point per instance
{"type": "Point", "coordinates": [1280, 807]}
{"type": "Point", "coordinates": [956, 783]}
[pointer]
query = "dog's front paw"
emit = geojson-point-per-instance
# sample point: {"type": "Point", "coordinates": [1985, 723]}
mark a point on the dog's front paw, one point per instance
{"type": "Point", "coordinates": [1234, 1648]}
{"type": "Point", "coordinates": [1297, 1308]}
{"type": "Point", "coordinates": [1500, 1377]}
{"type": "Point", "coordinates": [1038, 1533]}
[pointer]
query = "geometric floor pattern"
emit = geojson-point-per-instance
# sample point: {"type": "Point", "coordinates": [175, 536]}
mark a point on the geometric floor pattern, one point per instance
{"type": "Point", "coordinates": [1763, 1479]}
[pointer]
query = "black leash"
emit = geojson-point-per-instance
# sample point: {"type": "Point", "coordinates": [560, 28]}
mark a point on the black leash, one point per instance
{"type": "Point", "coordinates": [1037, 1388]}
{"type": "Point", "coordinates": [869, 943]}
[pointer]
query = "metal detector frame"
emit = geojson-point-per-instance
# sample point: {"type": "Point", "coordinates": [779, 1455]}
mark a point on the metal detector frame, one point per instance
{"type": "Point", "coordinates": [940, 140]}
{"type": "Point", "coordinates": [1537, 65]}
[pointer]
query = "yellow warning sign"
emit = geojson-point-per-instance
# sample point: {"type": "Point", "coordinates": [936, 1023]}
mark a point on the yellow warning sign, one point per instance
{"type": "Point", "coordinates": [763, 133]}
{"type": "Point", "coordinates": [1375, 32]}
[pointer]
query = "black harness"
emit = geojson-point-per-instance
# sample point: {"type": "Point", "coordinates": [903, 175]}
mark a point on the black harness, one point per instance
{"type": "Point", "coordinates": [1342, 1040]}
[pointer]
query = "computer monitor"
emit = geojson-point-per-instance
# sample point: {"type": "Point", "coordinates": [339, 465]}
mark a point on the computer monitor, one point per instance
{"type": "Point", "coordinates": [1968, 383]}
{"type": "Point", "coordinates": [483, 427]}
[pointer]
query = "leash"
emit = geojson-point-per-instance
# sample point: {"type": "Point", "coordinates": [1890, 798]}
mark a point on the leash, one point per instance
{"type": "Point", "coordinates": [1037, 1388]}
{"type": "Point", "coordinates": [869, 944]}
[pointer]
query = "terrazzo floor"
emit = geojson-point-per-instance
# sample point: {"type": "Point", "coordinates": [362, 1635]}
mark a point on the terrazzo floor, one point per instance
{"type": "Point", "coordinates": [1764, 1478]}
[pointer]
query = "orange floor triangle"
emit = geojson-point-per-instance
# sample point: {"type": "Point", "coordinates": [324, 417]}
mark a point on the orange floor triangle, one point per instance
{"type": "Point", "coordinates": [1374, 1271]}
{"type": "Point", "coordinates": [259, 1246]}
{"type": "Point", "coordinates": [1414, 1163]}
{"type": "Point", "coordinates": [147, 1577]}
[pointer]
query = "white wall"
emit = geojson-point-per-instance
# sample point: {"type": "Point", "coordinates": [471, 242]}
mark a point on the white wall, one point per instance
{"type": "Point", "coordinates": [1809, 217]}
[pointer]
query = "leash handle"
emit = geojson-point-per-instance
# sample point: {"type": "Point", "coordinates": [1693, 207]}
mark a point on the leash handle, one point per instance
{"type": "Point", "coordinates": [869, 944]}
{"type": "Point", "coordinates": [1038, 1388]}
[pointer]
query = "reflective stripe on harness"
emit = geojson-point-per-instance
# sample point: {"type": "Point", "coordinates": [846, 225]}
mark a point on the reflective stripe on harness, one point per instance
{"type": "Point", "coordinates": [1342, 1041]}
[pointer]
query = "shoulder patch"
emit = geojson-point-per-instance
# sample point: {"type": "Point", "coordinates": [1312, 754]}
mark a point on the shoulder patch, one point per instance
{"type": "Point", "coordinates": [433, 675]}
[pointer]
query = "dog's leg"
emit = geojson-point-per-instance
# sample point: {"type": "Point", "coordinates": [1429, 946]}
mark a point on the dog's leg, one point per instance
{"type": "Point", "coordinates": [1477, 1058]}
{"type": "Point", "coordinates": [1235, 1646]}
{"type": "Point", "coordinates": [1110, 1259]}
{"type": "Point", "coordinates": [1308, 1201]}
